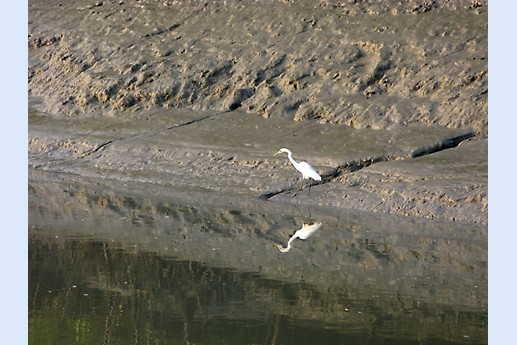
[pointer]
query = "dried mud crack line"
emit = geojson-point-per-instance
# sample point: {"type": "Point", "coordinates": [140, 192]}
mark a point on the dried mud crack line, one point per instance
{"type": "Point", "coordinates": [192, 121]}
{"type": "Point", "coordinates": [331, 174]}
{"type": "Point", "coordinates": [148, 134]}
{"type": "Point", "coordinates": [97, 149]}
{"type": "Point", "coordinates": [444, 145]}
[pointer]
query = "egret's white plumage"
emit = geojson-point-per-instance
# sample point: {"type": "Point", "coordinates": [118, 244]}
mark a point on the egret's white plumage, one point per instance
{"type": "Point", "coordinates": [308, 172]}
{"type": "Point", "coordinates": [304, 233]}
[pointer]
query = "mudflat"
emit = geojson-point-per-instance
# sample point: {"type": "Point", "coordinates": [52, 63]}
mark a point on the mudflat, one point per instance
{"type": "Point", "coordinates": [387, 100]}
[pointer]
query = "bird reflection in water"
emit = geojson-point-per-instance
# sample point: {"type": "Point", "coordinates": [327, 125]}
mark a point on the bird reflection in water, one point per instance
{"type": "Point", "coordinates": [304, 233]}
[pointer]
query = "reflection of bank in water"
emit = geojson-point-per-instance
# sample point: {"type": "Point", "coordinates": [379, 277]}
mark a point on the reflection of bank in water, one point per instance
{"type": "Point", "coordinates": [304, 233]}
{"type": "Point", "coordinates": [154, 263]}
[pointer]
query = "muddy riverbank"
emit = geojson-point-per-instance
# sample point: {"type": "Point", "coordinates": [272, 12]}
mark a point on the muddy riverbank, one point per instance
{"type": "Point", "coordinates": [389, 101]}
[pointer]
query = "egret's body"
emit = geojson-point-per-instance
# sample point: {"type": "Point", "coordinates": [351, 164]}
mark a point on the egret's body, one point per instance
{"type": "Point", "coordinates": [304, 233]}
{"type": "Point", "coordinates": [308, 172]}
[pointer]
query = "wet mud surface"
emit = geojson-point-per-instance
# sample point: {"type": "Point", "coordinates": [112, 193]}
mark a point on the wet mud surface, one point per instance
{"type": "Point", "coordinates": [231, 153]}
{"type": "Point", "coordinates": [388, 101]}
{"type": "Point", "coordinates": [366, 64]}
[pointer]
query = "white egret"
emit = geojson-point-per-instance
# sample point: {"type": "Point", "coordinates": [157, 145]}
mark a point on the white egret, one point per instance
{"type": "Point", "coordinates": [304, 233]}
{"type": "Point", "coordinates": [308, 172]}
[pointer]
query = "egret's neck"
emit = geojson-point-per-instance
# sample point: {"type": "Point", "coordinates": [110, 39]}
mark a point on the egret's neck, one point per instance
{"type": "Point", "coordinates": [295, 236]}
{"type": "Point", "coordinates": [286, 249]}
{"type": "Point", "coordinates": [290, 156]}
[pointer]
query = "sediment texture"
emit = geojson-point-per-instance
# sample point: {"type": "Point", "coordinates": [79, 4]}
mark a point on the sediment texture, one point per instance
{"type": "Point", "coordinates": [366, 64]}
{"type": "Point", "coordinates": [201, 94]}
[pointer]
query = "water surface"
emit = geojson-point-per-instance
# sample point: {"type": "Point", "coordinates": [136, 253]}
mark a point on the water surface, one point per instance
{"type": "Point", "coordinates": [109, 264]}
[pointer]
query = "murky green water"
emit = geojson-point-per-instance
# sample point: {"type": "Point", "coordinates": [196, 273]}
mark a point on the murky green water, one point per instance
{"type": "Point", "coordinates": [109, 266]}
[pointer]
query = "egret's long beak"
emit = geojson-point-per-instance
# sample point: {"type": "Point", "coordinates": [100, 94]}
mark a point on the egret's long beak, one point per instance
{"type": "Point", "coordinates": [282, 249]}
{"type": "Point", "coordinates": [277, 153]}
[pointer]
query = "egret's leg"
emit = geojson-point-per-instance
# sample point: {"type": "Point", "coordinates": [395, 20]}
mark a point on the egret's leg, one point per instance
{"type": "Point", "coordinates": [309, 188]}
{"type": "Point", "coordinates": [299, 189]}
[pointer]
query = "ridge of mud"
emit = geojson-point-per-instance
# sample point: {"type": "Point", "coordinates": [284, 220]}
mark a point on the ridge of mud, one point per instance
{"type": "Point", "coordinates": [366, 64]}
